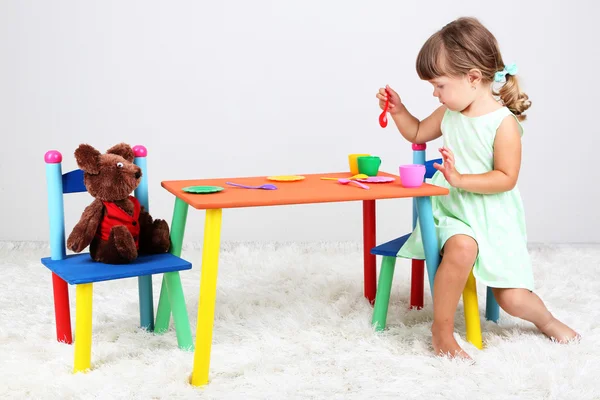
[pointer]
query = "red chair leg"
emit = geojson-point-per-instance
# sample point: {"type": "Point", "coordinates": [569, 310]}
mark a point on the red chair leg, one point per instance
{"type": "Point", "coordinates": [61, 310]}
{"type": "Point", "coordinates": [416, 284]}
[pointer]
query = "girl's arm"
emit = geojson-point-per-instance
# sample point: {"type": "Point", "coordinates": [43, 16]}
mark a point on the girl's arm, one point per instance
{"type": "Point", "coordinates": [411, 128]}
{"type": "Point", "coordinates": [507, 163]}
{"type": "Point", "coordinates": [416, 131]}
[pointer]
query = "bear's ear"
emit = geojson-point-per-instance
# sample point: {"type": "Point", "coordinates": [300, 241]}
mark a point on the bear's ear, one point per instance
{"type": "Point", "coordinates": [123, 150]}
{"type": "Point", "coordinates": [88, 159]}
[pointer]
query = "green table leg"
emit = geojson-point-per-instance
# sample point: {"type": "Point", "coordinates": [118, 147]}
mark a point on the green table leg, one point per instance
{"type": "Point", "coordinates": [180, 315]}
{"type": "Point", "coordinates": [163, 313]}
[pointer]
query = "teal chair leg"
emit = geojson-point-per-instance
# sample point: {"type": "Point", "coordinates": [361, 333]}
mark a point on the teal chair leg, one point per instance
{"type": "Point", "coordinates": [429, 237]}
{"type": "Point", "coordinates": [144, 282]}
{"type": "Point", "coordinates": [146, 302]}
{"type": "Point", "coordinates": [384, 287]}
{"type": "Point", "coordinates": [492, 309]}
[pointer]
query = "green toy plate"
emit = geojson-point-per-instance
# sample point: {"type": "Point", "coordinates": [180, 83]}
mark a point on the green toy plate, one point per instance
{"type": "Point", "coordinates": [202, 189]}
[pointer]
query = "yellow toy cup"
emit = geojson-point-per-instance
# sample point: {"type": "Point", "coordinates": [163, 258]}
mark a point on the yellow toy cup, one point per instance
{"type": "Point", "coordinates": [352, 161]}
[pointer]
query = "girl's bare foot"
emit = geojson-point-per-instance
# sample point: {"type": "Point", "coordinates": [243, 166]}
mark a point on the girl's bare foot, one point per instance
{"type": "Point", "coordinates": [558, 331]}
{"type": "Point", "coordinates": [444, 344]}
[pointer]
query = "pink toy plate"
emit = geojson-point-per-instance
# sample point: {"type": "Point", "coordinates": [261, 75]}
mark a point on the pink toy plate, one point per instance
{"type": "Point", "coordinates": [377, 179]}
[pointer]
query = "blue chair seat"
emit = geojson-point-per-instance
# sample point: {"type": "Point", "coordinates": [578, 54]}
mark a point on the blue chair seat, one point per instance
{"type": "Point", "coordinates": [81, 268]}
{"type": "Point", "coordinates": [391, 248]}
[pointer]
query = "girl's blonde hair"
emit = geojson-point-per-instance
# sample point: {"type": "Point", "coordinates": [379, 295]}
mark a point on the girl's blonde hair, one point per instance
{"type": "Point", "coordinates": [465, 44]}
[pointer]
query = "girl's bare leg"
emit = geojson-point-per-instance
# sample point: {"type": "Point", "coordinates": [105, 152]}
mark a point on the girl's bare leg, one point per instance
{"type": "Point", "coordinates": [522, 303]}
{"type": "Point", "coordinates": [460, 252]}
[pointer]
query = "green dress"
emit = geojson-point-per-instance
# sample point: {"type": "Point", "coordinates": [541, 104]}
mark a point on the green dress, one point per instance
{"type": "Point", "coordinates": [495, 221]}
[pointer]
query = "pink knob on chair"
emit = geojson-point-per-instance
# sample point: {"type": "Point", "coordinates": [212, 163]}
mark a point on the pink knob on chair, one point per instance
{"type": "Point", "coordinates": [417, 147]}
{"type": "Point", "coordinates": [140, 151]}
{"type": "Point", "coordinates": [53, 157]}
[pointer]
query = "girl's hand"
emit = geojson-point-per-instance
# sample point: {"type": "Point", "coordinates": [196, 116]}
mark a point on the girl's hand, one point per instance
{"type": "Point", "coordinates": [450, 173]}
{"type": "Point", "coordinates": [395, 102]}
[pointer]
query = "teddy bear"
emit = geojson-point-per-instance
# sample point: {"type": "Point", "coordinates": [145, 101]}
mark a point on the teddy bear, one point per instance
{"type": "Point", "coordinates": [115, 226]}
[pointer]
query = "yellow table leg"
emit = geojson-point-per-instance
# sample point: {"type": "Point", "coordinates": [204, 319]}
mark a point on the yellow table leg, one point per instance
{"type": "Point", "coordinates": [471, 306]}
{"type": "Point", "coordinates": [83, 327]}
{"type": "Point", "coordinates": [208, 293]}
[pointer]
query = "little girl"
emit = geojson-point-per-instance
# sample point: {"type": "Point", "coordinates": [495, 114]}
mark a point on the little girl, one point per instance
{"type": "Point", "coordinates": [481, 223]}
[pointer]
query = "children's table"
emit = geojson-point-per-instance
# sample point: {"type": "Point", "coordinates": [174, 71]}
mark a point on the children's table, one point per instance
{"type": "Point", "coordinates": [310, 190]}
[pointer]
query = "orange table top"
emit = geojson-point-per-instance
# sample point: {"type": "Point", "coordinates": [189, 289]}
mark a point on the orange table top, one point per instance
{"type": "Point", "coordinates": [308, 191]}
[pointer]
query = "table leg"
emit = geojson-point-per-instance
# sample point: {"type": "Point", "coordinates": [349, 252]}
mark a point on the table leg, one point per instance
{"type": "Point", "coordinates": [429, 237]}
{"type": "Point", "coordinates": [208, 293]}
{"type": "Point", "coordinates": [163, 313]}
{"type": "Point", "coordinates": [369, 241]}
{"type": "Point", "coordinates": [179, 310]}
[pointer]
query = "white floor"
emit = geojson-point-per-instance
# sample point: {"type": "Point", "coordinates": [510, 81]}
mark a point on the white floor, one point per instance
{"type": "Point", "coordinates": [291, 323]}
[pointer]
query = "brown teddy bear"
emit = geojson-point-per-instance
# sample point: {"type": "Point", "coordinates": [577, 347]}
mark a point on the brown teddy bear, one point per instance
{"type": "Point", "coordinates": [115, 225]}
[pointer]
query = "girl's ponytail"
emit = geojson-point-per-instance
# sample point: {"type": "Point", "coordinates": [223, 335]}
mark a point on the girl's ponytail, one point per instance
{"type": "Point", "coordinates": [512, 97]}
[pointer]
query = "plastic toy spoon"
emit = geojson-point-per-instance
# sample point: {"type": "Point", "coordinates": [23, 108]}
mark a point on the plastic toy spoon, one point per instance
{"type": "Point", "coordinates": [357, 176]}
{"type": "Point", "coordinates": [347, 181]}
{"type": "Point", "coordinates": [268, 186]}
{"type": "Point", "coordinates": [383, 117]}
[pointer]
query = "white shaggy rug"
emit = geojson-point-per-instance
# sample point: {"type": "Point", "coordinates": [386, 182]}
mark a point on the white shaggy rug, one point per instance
{"type": "Point", "coordinates": [291, 323]}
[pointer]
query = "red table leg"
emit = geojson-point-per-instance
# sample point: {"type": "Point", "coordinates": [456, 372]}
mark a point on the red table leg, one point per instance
{"type": "Point", "coordinates": [61, 310]}
{"type": "Point", "coordinates": [369, 242]}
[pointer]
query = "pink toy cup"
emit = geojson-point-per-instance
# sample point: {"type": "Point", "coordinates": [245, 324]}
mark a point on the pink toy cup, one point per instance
{"type": "Point", "coordinates": [412, 175]}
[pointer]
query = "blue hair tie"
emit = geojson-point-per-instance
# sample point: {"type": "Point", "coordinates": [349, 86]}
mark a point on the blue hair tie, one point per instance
{"type": "Point", "coordinates": [508, 70]}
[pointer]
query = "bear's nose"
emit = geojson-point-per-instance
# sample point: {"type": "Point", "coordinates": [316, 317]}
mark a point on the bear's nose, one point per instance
{"type": "Point", "coordinates": [138, 173]}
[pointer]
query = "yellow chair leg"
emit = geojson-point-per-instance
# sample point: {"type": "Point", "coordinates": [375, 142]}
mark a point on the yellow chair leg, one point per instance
{"type": "Point", "coordinates": [471, 307]}
{"type": "Point", "coordinates": [83, 327]}
{"type": "Point", "coordinates": [208, 294]}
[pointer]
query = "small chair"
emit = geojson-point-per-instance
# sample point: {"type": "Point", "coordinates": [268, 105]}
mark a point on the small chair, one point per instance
{"type": "Point", "coordinates": [389, 251]}
{"type": "Point", "coordinates": [82, 271]}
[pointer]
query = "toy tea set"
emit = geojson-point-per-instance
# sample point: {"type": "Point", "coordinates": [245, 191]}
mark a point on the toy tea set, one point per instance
{"type": "Point", "coordinates": [363, 167]}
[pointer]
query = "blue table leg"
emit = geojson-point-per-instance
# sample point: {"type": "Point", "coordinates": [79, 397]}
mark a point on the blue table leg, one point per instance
{"type": "Point", "coordinates": [429, 237]}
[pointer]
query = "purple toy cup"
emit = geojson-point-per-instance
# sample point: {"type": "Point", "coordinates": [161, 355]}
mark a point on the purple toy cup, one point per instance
{"type": "Point", "coordinates": [412, 175]}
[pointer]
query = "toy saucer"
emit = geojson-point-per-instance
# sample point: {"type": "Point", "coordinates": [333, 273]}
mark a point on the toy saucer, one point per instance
{"type": "Point", "coordinates": [202, 189]}
{"type": "Point", "coordinates": [286, 178]}
{"type": "Point", "coordinates": [377, 179]}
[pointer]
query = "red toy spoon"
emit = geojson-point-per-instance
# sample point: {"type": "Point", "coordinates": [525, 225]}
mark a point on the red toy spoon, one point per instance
{"type": "Point", "coordinates": [383, 117]}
